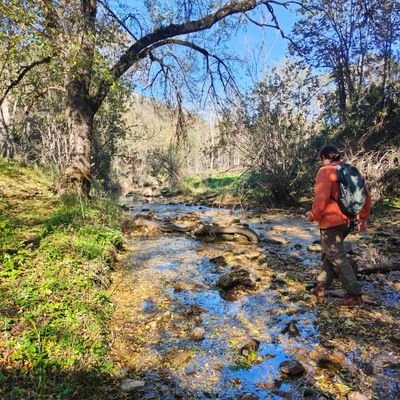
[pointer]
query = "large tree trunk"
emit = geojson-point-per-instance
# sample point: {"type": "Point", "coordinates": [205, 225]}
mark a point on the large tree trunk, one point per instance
{"type": "Point", "coordinates": [80, 115]}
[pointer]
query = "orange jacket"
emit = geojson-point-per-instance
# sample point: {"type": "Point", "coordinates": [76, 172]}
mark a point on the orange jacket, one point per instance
{"type": "Point", "coordinates": [325, 210]}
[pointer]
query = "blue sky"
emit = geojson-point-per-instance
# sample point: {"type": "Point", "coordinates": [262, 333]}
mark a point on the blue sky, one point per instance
{"type": "Point", "coordinates": [262, 48]}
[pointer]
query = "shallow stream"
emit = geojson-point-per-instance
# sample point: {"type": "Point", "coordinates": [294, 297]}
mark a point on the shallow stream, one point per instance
{"type": "Point", "coordinates": [168, 289]}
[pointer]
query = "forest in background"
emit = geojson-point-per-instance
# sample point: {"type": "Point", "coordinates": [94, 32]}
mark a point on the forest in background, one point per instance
{"type": "Point", "coordinates": [339, 84]}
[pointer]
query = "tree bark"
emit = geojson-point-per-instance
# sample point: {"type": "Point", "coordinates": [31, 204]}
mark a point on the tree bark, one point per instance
{"type": "Point", "coordinates": [80, 116]}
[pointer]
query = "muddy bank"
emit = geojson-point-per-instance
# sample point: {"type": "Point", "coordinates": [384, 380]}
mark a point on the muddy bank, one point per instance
{"type": "Point", "coordinates": [200, 319]}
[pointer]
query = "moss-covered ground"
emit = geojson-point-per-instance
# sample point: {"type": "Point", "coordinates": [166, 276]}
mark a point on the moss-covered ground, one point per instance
{"type": "Point", "coordinates": [56, 256]}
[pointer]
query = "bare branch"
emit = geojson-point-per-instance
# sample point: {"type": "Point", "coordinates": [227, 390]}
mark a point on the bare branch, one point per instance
{"type": "Point", "coordinates": [115, 16]}
{"type": "Point", "coordinates": [24, 70]}
{"type": "Point", "coordinates": [139, 49]}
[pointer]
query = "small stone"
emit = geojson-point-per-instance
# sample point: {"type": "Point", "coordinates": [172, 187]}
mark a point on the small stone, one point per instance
{"type": "Point", "coordinates": [252, 255]}
{"type": "Point", "coordinates": [198, 333]}
{"type": "Point", "coordinates": [219, 260]}
{"type": "Point", "coordinates": [127, 385]}
{"type": "Point", "coordinates": [291, 328]}
{"type": "Point", "coordinates": [291, 368]}
{"type": "Point", "coordinates": [275, 242]}
{"type": "Point", "coordinates": [251, 346]}
{"type": "Point", "coordinates": [314, 248]}
{"type": "Point", "coordinates": [248, 396]}
{"type": "Point", "coordinates": [267, 385]}
{"type": "Point", "coordinates": [181, 358]}
{"type": "Point", "coordinates": [178, 287]}
{"type": "Point", "coordinates": [357, 396]}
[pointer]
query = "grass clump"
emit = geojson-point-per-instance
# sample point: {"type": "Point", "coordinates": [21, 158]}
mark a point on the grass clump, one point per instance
{"type": "Point", "coordinates": [56, 256]}
{"type": "Point", "coordinates": [221, 184]}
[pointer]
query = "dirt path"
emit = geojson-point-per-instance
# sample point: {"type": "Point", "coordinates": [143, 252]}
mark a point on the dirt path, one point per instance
{"type": "Point", "coordinates": [179, 331]}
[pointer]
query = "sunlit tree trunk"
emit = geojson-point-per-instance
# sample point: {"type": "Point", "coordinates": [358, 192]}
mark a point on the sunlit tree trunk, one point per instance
{"type": "Point", "coordinates": [80, 116]}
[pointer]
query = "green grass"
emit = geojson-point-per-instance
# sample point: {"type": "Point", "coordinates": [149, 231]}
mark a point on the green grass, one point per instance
{"type": "Point", "coordinates": [56, 256]}
{"type": "Point", "coordinates": [387, 203]}
{"type": "Point", "coordinates": [197, 185]}
{"type": "Point", "coordinates": [230, 186]}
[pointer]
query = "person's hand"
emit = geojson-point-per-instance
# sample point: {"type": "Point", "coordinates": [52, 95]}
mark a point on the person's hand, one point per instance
{"type": "Point", "coordinates": [362, 225]}
{"type": "Point", "coordinates": [308, 216]}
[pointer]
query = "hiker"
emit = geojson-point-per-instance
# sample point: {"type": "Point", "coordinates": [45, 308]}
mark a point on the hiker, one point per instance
{"type": "Point", "coordinates": [335, 225]}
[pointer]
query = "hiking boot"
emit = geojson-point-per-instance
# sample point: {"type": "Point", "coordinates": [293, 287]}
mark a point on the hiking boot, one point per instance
{"type": "Point", "coordinates": [351, 300]}
{"type": "Point", "coordinates": [319, 293]}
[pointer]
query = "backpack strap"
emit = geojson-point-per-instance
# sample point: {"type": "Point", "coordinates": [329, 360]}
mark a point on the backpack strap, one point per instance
{"type": "Point", "coordinates": [338, 167]}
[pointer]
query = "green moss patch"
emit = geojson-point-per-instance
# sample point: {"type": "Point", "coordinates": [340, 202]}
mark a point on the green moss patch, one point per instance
{"type": "Point", "coordinates": [56, 256]}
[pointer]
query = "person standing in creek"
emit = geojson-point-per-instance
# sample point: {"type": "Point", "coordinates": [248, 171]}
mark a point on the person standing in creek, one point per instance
{"type": "Point", "coordinates": [335, 225]}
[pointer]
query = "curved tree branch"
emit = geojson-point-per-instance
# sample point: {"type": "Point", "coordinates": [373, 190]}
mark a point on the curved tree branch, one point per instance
{"type": "Point", "coordinates": [23, 71]}
{"type": "Point", "coordinates": [139, 49]}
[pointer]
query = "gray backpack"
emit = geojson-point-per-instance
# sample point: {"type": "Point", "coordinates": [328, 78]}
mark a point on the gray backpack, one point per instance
{"type": "Point", "coordinates": [352, 190]}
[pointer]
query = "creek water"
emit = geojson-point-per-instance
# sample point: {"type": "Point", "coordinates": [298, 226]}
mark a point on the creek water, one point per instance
{"type": "Point", "coordinates": [171, 285]}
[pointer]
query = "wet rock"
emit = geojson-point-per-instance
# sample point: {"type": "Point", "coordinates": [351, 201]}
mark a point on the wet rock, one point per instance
{"type": "Point", "coordinates": [267, 385]}
{"type": "Point", "coordinates": [275, 242]}
{"type": "Point", "coordinates": [297, 246]}
{"type": "Point", "coordinates": [309, 285]}
{"type": "Point", "coordinates": [326, 357]}
{"type": "Point", "coordinates": [237, 277]}
{"type": "Point", "coordinates": [278, 284]}
{"type": "Point", "coordinates": [198, 333]}
{"type": "Point", "coordinates": [314, 248]}
{"type": "Point", "coordinates": [127, 385]}
{"type": "Point", "coordinates": [357, 396]}
{"type": "Point", "coordinates": [248, 396]}
{"type": "Point", "coordinates": [181, 358]}
{"type": "Point", "coordinates": [291, 368]}
{"type": "Point", "coordinates": [291, 328]}
{"type": "Point", "coordinates": [219, 260]}
{"type": "Point", "coordinates": [251, 346]}
{"type": "Point", "coordinates": [179, 287]}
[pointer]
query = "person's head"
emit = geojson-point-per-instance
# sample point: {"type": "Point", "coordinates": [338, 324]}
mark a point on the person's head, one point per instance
{"type": "Point", "coordinates": [329, 154]}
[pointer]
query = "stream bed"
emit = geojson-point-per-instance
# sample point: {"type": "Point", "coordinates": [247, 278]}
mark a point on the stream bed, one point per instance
{"type": "Point", "coordinates": [182, 337]}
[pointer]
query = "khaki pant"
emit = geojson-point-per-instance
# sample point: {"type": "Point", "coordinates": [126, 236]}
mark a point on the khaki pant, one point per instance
{"type": "Point", "coordinates": [334, 260]}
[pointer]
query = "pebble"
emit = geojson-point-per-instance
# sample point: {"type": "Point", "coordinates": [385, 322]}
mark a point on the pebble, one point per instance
{"type": "Point", "coordinates": [127, 385]}
{"type": "Point", "coordinates": [198, 333]}
{"type": "Point", "coordinates": [314, 248]}
{"type": "Point", "coordinates": [181, 358]}
{"type": "Point", "coordinates": [357, 396]}
{"type": "Point", "coordinates": [291, 368]}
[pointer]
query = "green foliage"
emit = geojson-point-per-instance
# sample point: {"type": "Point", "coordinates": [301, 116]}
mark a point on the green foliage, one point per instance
{"type": "Point", "coordinates": [54, 309]}
{"type": "Point", "coordinates": [213, 184]}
